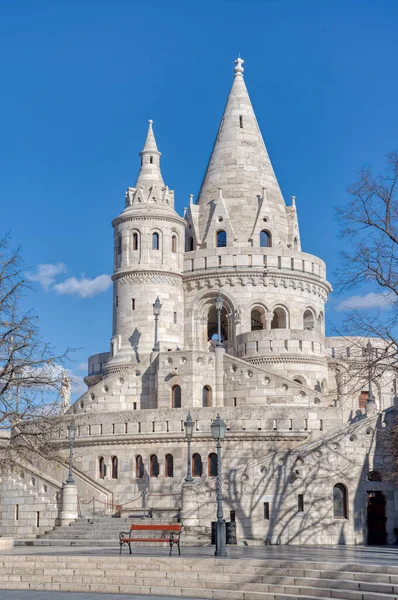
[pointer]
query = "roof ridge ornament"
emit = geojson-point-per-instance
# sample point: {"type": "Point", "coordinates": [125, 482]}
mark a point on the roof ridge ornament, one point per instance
{"type": "Point", "coordinates": [239, 69]}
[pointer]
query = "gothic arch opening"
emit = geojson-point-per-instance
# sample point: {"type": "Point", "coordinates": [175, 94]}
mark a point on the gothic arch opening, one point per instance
{"type": "Point", "coordinates": [212, 465]}
{"type": "Point", "coordinates": [340, 504]}
{"type": "Point", "coordinates": [115, 467]}
{"type": "Point", "coordinates": [154, 466]}
{"type": "Point", "coordinates": [155, 241]}
{"type": "Point", "coordinates": [279, 319]}
{"type": "Point", "coordinates": [206, 396]}
{"type": "Point", "coordinates": [197, 467]}
{"type": "Point", "coordinates": [221, 238]}
{"type": "Point", "coordinates": [101, 467]}
{"type": "Point", "coordinates": [257, 318]}
{"type": "Point", "coordinates": [265, 239]}
{"type": "Point", "coordinates": [308, 319]}
{"type": "Point", "coordinates": [169, 465]}
{"type": "Point", "coordinates": [139, 467]}
{"type": "Point", "coordinates": [176, 396]}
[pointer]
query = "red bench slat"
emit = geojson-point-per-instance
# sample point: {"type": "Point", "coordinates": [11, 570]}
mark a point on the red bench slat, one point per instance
{"type": "Point", "coordinates": [155, 527]}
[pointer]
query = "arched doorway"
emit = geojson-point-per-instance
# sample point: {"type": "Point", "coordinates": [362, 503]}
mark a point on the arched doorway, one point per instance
{"type": "Point", "coordinates": [376, 519]}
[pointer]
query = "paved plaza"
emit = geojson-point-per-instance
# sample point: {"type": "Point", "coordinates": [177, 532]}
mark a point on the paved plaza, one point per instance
{"type": "Point", "coordinates": [375, 555]}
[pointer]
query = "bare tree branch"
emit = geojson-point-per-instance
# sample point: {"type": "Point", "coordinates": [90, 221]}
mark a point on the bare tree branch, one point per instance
{"type": "Point", "coordinates": [30, 371]}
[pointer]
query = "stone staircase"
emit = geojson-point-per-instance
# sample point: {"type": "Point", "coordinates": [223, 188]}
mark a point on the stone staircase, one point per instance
{"type": "Point", "coordinates": [199, 577]}
{"type": "Point", "coordinates": [104, 532]}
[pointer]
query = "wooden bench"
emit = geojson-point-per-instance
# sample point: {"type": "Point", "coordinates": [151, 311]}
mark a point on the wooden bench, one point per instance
{"type": "Point", "coordinates": [173, 536]}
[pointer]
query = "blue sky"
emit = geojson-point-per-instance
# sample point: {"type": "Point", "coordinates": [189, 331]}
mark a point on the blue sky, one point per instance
{"type": "Point", "coordinates": [81, 79]}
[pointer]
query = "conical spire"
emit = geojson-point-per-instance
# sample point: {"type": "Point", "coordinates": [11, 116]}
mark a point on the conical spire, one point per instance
{"type": "Point", "coordinates": [240, 166]}
{"type": "Point", "coordinates": [150, 174]}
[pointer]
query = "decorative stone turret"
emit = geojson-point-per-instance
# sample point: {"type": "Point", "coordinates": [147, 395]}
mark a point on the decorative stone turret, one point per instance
{"type": "Point", "coordinates": [148, 262]}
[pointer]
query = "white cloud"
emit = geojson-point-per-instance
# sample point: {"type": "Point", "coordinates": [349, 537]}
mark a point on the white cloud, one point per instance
{"type": "Point", "coordinates": [83, 287]}
{"type": "Point", "coordinates": [82, 367]}
{"type": "Point", "coordinates": [46, 274]}
{"type": "Point", "coordinates": [370, 300]}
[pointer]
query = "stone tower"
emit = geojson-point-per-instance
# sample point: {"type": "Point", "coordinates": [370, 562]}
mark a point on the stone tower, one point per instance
{"type": "Point", "coordinates": [245, 241]}
{"type": "Point", "coordinates": [148, 261]}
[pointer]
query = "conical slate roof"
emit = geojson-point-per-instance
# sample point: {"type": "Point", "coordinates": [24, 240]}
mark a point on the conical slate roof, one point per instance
{"type": "Point", "coordinates": [240, 166]}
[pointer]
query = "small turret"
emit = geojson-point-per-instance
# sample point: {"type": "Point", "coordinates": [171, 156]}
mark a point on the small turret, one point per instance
{"type": "Point", "coordinates": [148, 262]}
{"type": "Point", "coordinates": [150, 189]}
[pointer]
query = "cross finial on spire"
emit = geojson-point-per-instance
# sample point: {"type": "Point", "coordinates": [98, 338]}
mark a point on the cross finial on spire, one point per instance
{"type": "Point", "coordinates": [239, 69]}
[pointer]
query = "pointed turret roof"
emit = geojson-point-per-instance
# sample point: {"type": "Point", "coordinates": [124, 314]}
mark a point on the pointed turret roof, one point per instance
{"type": "Point", "coordinates": [150, 173]}
{"type": "Point", "coordinates": [239, 164]}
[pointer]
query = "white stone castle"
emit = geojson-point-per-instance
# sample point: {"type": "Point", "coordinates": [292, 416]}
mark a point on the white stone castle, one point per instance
{"type": "Point", "coordinates": [303, 456]}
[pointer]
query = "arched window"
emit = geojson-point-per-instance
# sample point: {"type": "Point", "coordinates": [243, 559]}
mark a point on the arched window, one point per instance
{"type": "Point", "coordinates": [295, 243]}
{"type": "Point", "coordinates": [299, 380]}
{"type": "Point", "coordinates": [206, 396]}
{"type": "Point", "coordinates": [101, 467]}
{"type": "Point", "coordinates": [308, 319]}
{"type": "Point", "coordinates": [197, 467]}
{"type": "Point", "coordinates": [190, 244]}
{"type": "Point", "coordinates": [154, 466]}
{"type": "Point", "coordinates": [174, 243]}
{"type": "Point", "coordinates": [279, 320]}
{"type": "Point", "coordinates": [176, 396]}
{"type": "Point", "coordinates": [340, 501]}
{"type": "Point", "coordinates": [139, 467]}
{"type": "Point", "coordinates": [135, 241]}
{"type": "Point", "coordinates": [169, 465]}
{"type": "Point", "coordinates": [115, 464]}
{"type": "Point", "coordinates": [119, 244]}
{"type": "Point", "coordinates": [155, 241]}
{"type": "Point", "coordinates": [212, 465]}
{"type": "Point", "coordinates": [221, 238]}
{"type": "Point", "coordinates": [265, 239]}
{"type": "Point", "coordinates": [257, 319]}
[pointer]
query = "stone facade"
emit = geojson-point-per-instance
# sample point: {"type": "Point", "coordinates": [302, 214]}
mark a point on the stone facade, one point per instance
{"type": "Point", "coordinates": [296, 428]}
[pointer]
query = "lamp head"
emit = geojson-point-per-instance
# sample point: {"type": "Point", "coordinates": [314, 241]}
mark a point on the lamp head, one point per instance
{"type": "Point", "coordinates": [188, 426]}
{"type": "Point", "coordinates": [71, 431]}
{"type": "Point", "coordinates": [219, 301]}
{"type": "Point", "coordinates": [156, 307]}
{"type": "Point", "coordinates": [218, 428]}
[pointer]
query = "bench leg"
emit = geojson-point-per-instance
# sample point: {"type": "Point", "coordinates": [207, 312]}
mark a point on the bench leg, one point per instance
{"type": "Point", "coordinates": [171, 547]}
{"type": "Point", "coordinates": [121, 544]}
{"type": "Point", "coordinates": [130, 548]}
{"type": "Point", "coordinates": [179, 551]}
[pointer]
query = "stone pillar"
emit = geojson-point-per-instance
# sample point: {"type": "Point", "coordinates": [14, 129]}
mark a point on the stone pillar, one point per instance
{"type": "Point", "coordinates": [219, 395]}
{"type": "Point", "coordinates": [189, 505]}
{"type": "Point", "coordinates": [69, 512]}
{"type": "Point", "coordinates": [268, 320]}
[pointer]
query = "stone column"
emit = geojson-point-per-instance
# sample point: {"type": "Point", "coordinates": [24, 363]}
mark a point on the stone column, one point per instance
{"type": "Point", "coordinates": [69, 512]}
{"type": "Point", "coordinates": [189, 505]}
{"type": "Point", "coordinates": [219, 395]}
{"type": "Point", "coordinates": [268, 320]}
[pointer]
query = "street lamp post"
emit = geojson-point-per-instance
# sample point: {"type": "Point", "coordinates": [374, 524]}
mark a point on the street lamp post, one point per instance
{"type": "Point", "coordinates": [71, 437]}
{"type": "Point", "coordinates": [219, 304]}
{"type": "Point", "coordinates": [156, 312]}
{"type": "Point", "coordinates": [188, 432]}
{"type": "Point", "coordinates": [218, 429]}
